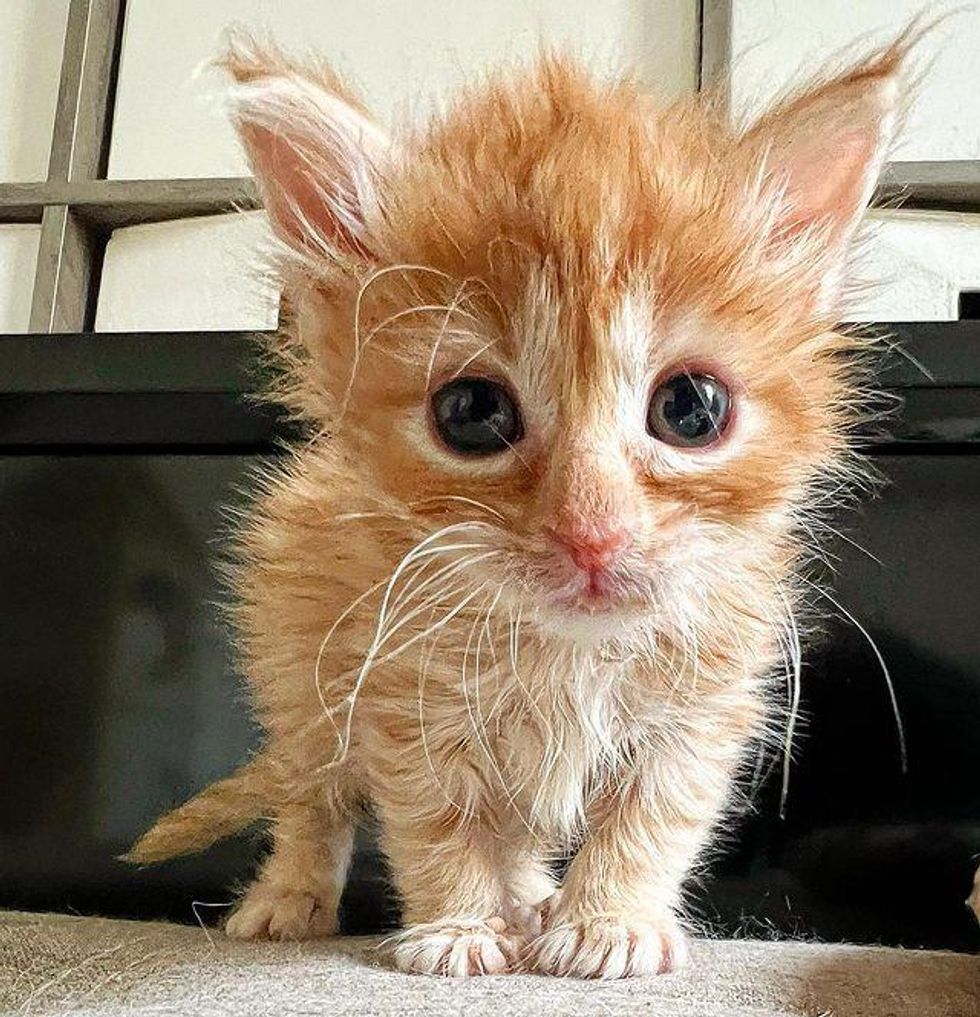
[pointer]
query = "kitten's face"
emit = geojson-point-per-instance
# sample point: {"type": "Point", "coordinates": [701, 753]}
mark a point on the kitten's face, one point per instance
{"type": "Point", "coordinates": [623, 456]}
{"type": "Point", "coordinates": [600, 334]}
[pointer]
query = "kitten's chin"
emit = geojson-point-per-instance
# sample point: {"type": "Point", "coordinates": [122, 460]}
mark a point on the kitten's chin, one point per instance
{"type": "Point", "coordinates": [588, 621]}
{"type": "Point", "coordinates": [585, 611]}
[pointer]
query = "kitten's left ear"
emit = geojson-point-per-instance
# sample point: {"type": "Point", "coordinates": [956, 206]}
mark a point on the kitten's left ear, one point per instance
{"type": "Point", "coordinates": [825, 148]}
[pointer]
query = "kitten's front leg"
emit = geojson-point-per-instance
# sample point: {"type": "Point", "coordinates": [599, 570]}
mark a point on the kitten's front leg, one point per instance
{"type": "Point", "coordinates": [297, 892]}
{"type": "Point", "coordinates": [615, 916]}
{"type": "Point", "coordinates": [454, 878]}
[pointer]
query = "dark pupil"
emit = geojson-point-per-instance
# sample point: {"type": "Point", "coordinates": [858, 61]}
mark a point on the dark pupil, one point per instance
{"type": "Point", "coordinates": [689, 410]}
{"type": "Point", "coordinates": [476, 416]}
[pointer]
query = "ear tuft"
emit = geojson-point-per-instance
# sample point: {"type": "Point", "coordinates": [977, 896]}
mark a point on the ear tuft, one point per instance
{"type": "Point", "coordinates": [317, 155]}
{"type": "Point", "coordinates": [823, 149]}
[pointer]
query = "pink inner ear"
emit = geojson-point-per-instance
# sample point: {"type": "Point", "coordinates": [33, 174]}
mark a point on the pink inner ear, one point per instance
{"type": "Point", "coordinates": [825, 148]}
{"type": "Point", "coordinates": [301, 209]}
{"type": "Point", "coordinates": [829, 181]}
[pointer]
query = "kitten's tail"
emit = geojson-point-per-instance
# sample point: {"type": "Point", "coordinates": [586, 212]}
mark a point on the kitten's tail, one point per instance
{"type": "Point", "coordinates": [223, 809]}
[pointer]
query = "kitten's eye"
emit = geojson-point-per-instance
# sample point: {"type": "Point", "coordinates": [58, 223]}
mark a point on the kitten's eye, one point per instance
{"type": "Point", "coordinates": [476, 416]}
{"type": "Point", "coordinates": [689, 410]}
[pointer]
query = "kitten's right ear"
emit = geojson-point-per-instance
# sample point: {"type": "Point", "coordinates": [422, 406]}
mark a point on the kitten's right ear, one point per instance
{"type": "Point", "coordinates": [316, 154]}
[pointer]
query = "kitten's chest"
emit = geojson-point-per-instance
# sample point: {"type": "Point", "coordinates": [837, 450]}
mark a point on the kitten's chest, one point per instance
{"type": "Point", "coordinates": [538, 738]}
{"type": "Point", "coordinates": [561, 749]}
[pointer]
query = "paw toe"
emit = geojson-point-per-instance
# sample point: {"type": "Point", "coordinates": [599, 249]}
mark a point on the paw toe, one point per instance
{"type": "Point", "coordinates": [280, 915]}
{"type": "Point", "coordinates": [457, 948]}
{"type": "Point", "coordinates": [605, 949]}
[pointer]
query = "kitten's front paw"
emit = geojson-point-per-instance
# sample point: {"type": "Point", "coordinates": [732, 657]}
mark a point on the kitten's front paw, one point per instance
{"type": "Point", "coordinates": [267, 912]}
{"type": "Point", "coordinates": [606, 949]}
{"type": "Point", "coordinates": [457, 947]}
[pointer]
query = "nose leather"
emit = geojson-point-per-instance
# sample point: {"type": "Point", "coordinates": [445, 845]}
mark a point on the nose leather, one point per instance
{"type": "Point", "coordinates": [592, 549]}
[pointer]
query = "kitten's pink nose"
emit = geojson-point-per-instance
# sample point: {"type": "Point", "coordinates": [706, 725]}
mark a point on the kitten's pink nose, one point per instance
{"type": "Point", "coordinates": [593, 549]}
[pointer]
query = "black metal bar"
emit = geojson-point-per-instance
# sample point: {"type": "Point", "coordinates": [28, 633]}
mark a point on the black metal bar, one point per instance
{"type": "Point", "coordinates": [130, 362]}
{"type": "Point", "coordinates": [188, 390]}
{"type": "Point", "coordinates": [137, 420]}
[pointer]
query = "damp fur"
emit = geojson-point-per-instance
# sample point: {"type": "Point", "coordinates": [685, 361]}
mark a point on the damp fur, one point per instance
{"type": "Point", "coordinates": [404, 633]}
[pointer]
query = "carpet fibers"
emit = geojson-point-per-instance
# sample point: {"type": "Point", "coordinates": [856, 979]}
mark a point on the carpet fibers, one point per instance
{"type": "Point", "coordinates": [53, 964]}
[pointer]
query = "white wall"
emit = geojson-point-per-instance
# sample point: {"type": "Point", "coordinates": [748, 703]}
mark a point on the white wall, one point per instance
{"type": "Point", "coordinates": [775, 41]}
{"type": "Point", "coordinates": [18, 259]}
{"type": "Point", "coordinates": [193, 274]}
{"type": "Point", "coordinates": [914, 266]}
{"type": "Point", "coordinates": [408, 53]}
{"type": "Point", "coordinates": [32, 34]}
{"type": "Point", "coordinates": [402, 53]}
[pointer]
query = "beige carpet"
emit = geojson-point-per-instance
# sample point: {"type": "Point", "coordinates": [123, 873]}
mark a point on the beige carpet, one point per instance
{"type": "Point", "coordinates": [60, 965]}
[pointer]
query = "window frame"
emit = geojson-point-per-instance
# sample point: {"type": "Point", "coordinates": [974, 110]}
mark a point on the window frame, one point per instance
{"type": "Point", "coordinates": [78, 208]}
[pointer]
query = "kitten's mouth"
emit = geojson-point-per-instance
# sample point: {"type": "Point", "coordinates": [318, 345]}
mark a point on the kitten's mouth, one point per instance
{"type": "Point", "coordinates": [593, 593]}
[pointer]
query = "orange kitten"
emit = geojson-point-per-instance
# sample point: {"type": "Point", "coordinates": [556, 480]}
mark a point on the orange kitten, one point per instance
{"type": "Point", "coordinates": [573, 383]}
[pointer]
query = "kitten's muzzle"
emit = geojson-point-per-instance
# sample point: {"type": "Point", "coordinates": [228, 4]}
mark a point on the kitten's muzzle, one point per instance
{"type": "Point", "coordinates": [595, 552]}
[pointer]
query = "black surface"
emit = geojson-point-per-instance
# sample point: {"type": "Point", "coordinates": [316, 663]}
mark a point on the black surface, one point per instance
{"type": "Point", "coordinates": [866, 852]}
{"type": "Point", "coordinates": [184, 390]}
{"type": "Point", "coordinates": [119, 694]}
{"type": "Point", "coordinates": [120, 362]}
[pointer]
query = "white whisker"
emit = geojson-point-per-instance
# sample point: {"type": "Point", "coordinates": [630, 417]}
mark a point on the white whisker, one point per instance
{"type": "Point", "coordinates": [423, 549]}
{"type": "Point", "coordinates": [794, 674]}
{"type": "Point", "coordinates": [358, 346]}
{"type": "Point", "coordinates": [460, 498]}
{"type": "Point", "coordinates": [886, 674]}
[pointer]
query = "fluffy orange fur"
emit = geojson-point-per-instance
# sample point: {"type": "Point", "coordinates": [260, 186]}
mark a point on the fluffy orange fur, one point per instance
{"type": "Point", "coordinates": [402, 640]}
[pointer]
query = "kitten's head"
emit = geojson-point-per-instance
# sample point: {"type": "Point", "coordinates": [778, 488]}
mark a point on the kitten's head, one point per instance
{"type": "Point", "coordinates": [601, 329]}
